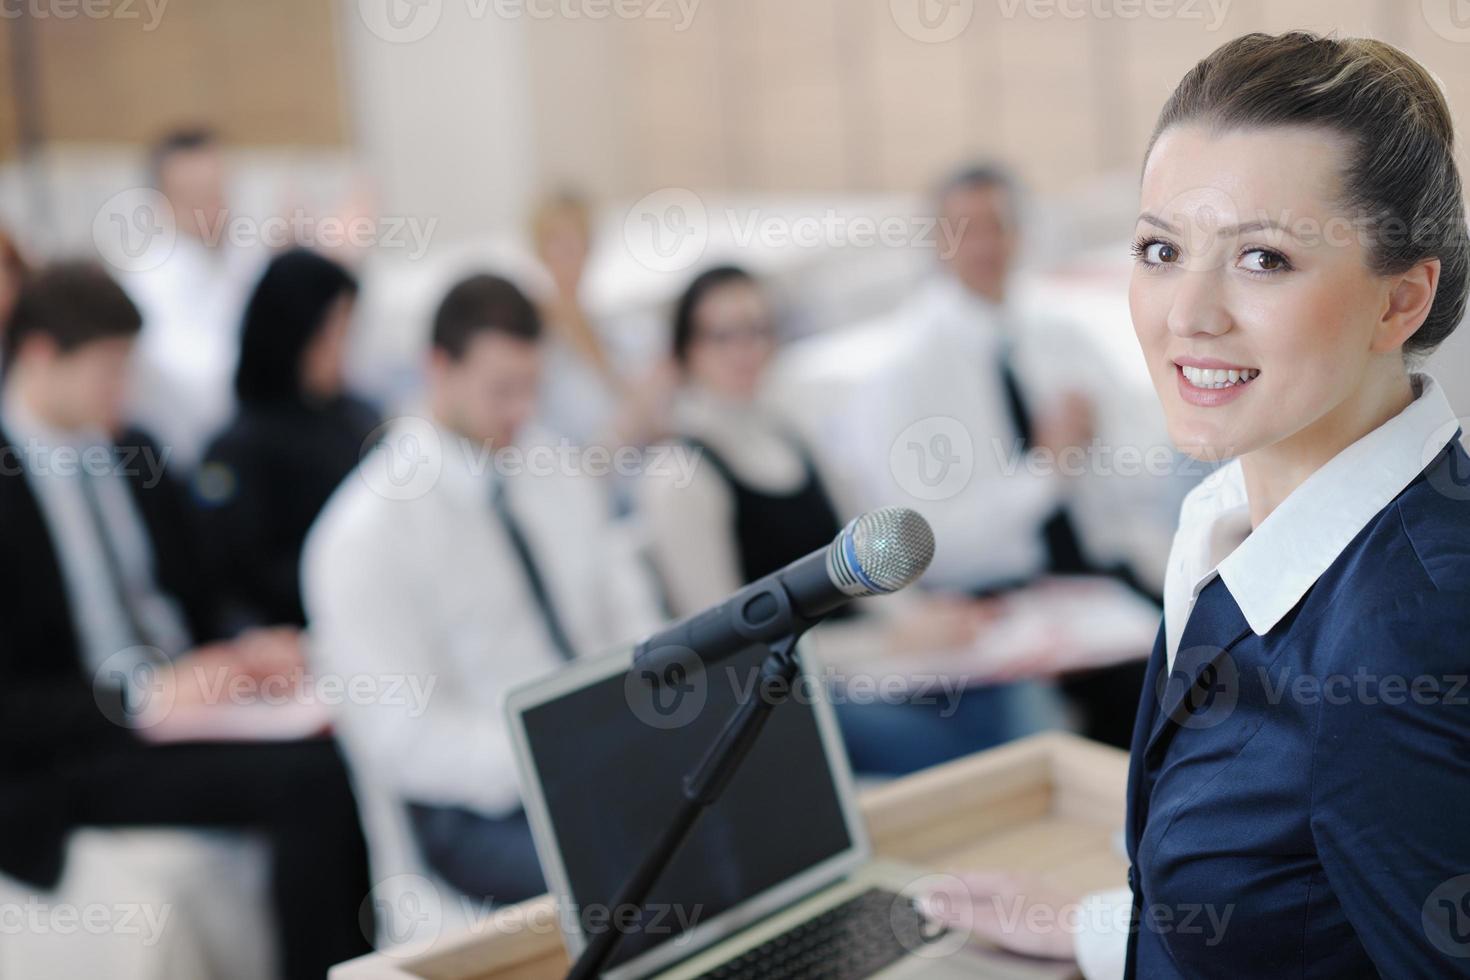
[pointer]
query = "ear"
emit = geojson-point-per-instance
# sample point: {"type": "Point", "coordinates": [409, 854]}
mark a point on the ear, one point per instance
{"type": "Point", "coordinates": [1410, 296]}
{"type": "Point", "coordinates": [437, 363]}
{"type": "Point", "coordinates": [37, 348]}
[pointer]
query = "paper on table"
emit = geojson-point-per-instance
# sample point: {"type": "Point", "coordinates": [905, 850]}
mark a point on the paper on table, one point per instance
{"type": "Point", "coordinates": [1057, 625]}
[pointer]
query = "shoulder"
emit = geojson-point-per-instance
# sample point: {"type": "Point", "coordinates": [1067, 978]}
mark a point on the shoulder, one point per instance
{"type": "Point", "coordinates": [145, 461]}
{"type": "Point", "coordinates": [1409, 602]}
{"type": "Point", "coordinates": [360, 523]}
{"type": "Point", "coordinates": [360, 414]}
{"type": "Point", "coordinates": [1433, 519]}
{"type": "Point", "coordinates": [1400, 593]}
{"type": "Point", "coordinates": [682, 475]}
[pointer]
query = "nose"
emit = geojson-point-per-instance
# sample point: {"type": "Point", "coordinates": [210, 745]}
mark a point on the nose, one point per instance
{"type": "Point", "coordinates": [1198, 305]}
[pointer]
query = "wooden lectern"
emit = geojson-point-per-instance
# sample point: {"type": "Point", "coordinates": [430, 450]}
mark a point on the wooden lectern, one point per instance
{"type": "Point", "coordinates": [1051, 804]}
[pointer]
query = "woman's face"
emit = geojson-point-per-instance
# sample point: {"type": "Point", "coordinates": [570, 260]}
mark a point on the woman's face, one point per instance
{"type": "Point", "coordinates": [733, 340]}
{"type": "Point", "coordinates": [324, 360]}
{"type": "Point", "coordinates": [1247, 269]}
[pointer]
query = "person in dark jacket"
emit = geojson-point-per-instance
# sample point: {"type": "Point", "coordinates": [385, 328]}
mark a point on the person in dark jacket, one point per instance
{"type": "Point", "coordinates": [110, 659]}
{"type": "Point", "coordinates": [296, 434]}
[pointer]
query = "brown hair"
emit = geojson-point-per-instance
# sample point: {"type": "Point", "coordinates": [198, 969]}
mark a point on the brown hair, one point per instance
{"type": "Point", "coordinates": [11, 260]}
{"type": "Point", "coordinates": [1400, 177]}
{"type": "Point", "coordinates": [483, 303]}
{"type": "Point", "coordinates": [74, 303]}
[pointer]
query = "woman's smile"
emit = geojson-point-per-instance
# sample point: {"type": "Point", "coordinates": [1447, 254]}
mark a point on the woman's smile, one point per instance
{"type": "Point", "coordinates": [1209, 383]}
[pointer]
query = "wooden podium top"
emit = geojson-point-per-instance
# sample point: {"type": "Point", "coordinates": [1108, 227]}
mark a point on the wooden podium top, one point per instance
{"type": "Point", "coordinates": [1051, 804]}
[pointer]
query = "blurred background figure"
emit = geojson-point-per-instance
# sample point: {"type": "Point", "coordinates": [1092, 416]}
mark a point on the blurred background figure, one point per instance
{"type": "Point", "coordinates": [112, 664]}
{"type": "Point", "coordinates": [998, 390]}
{"type": "Point", "coordinates": [594, 393]}
{"type": "Point", "coordinates": [963, 338]}
{"type": "Point", "coordinates": [450, 560]}
{"type": "Point", "coordinates": [296, 433]}
{"type": "Point", "coordinates": [753, 500]}
{"type": "Point", "coordinates": [191, 285]}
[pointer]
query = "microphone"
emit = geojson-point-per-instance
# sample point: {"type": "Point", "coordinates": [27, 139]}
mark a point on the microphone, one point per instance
{"type": "Point", "coordinates": [875, 554]}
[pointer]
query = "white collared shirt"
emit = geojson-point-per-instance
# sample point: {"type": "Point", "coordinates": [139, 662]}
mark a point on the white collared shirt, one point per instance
{"type": "Point", "coordinates": [933, 431]}
{"type": "Point", "coordinates": [55, 462]}
{"type": "Point", "coordinates": [414, 591]}
{"type": "Point", "coordinates": [1268, 570]}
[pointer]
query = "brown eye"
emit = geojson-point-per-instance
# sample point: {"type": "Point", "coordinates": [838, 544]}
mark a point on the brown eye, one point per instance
{"type": "Point", "coordinates": [1157, 253]}
{"type": "Point", "coordinates": [1264, 260]}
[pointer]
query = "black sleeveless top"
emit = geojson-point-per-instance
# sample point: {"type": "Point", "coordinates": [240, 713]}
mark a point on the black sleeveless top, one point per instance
{"type": "Point", "coordinates": [774, 529]}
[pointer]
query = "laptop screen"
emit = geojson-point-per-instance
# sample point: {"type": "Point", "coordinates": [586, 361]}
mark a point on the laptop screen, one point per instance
{"type": "Point", "coordinates": [610, 758]}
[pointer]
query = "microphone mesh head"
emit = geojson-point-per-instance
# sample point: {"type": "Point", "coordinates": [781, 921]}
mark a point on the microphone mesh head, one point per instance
{"type": "Point", "coordinates": [890, 547]}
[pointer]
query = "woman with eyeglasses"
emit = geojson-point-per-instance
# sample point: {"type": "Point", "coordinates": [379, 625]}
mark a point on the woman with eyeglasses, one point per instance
{"type": "Point", "coordinates": [754, 500]}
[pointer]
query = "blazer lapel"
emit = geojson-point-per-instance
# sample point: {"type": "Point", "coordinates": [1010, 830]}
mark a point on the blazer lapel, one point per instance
{"type": "Point", "coordinates": [1200, 681]}
{"type": "Point", "coordinates": [1143, 725]}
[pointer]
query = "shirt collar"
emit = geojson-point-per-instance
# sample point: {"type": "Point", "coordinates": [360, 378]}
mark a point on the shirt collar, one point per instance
{"type": "Point", "coordinates": [1275, 565]}
{"type": "Point", "coordinates": [28, 430]}
{"type": "Point", "coordinates": [434, 457]}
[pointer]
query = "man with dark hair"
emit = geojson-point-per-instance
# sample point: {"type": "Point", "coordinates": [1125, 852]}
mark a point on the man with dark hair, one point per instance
{"type": "Point", "coordinates": [191, 278]}
{"type": "Point", "coordinates": [72, 304]}
{"type": "Point", "coordinates": [105, 630]}
{"type": "Point", "coordinates": [479, 301]}
{"type": "Point", "coordinates": [470, 554]}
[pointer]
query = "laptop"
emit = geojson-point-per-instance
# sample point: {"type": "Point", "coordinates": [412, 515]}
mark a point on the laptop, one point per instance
{"type": "Point", "coordinates": [776, 879]}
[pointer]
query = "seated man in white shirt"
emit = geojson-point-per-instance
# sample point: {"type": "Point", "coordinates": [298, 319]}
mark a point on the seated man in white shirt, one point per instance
{"type": "Point", "coordinates": [465, 561]}
{"type": "Point", "coordinates": [965, 422]}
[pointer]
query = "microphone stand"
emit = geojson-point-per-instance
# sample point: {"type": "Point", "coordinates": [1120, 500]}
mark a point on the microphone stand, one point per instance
{"type": "Point", "coordinates": [701, 788]}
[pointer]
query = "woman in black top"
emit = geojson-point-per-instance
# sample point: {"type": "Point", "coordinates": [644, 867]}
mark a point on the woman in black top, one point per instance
{"type": "Point", "coordinates": [748, 499]}
{"type": "Point", "coordinates": [297, 432]}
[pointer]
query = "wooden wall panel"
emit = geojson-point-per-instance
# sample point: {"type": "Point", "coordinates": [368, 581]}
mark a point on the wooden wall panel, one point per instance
{"type": "Point", "coordinates": [264, 71]}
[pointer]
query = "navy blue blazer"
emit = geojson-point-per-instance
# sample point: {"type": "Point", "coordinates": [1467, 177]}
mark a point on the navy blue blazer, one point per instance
{"type": "Point", "coordinates": [1299, 802]}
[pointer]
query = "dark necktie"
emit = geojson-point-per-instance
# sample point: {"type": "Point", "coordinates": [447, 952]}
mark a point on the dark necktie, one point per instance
{"type": "Point", "coordinates": [1062, 545]}
{"type": "Point", "coordinates": [111, 559]}
{"type": "Point", "coordinates": [1015, 401]}
{"type": "Point", "coordinates": [534, 579]}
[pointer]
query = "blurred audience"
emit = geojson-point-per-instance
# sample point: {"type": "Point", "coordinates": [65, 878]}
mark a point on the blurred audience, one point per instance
{"type": "Point", "coordinates": [967, 347]}
{"type": "Point", "coordinates": [296, 434]}
{"type": "Point", "coordinates": [191, 286]}
{"type": "Point", "coordinates": [755, 501]}
{"type": "Point", "coordinates": [590, 394]}
{"type": "Point", "coordinates": [453, 556]}
{"type": "Point", "coordinates": [107, 639]}
{"type": "Point", "coordinates": [975, 386]}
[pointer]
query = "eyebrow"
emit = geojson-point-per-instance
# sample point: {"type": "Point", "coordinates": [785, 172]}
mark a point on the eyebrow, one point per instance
{"type": "Point", "coordinates": [1225, 232]}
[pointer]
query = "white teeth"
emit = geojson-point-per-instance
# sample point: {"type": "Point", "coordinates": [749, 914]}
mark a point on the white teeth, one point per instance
{"type": "Point", "coordinates": [1217, 378]}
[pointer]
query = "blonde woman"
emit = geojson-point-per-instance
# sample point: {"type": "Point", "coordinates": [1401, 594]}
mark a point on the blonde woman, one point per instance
{"type": "Point", "coordinates": [588, 394]}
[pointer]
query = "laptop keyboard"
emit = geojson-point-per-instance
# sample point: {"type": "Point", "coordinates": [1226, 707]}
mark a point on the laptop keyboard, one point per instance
{"type": "Point", "coordinates": [856, 939]}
